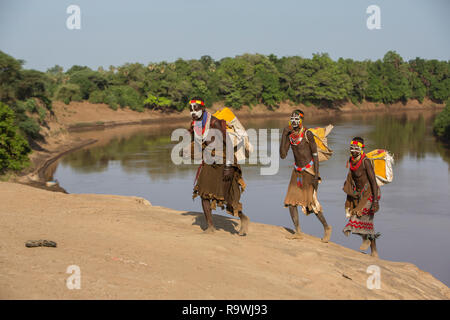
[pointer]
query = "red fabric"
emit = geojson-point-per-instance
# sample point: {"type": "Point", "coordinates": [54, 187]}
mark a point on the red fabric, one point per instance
{"type": "Point", "coordinates": [360, 225]}
{"type": "Point", "coordinates": [356, 166]}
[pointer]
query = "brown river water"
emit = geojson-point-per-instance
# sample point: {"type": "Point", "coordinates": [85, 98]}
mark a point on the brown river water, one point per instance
{"type": "Point", "coordinates": [414, 216]}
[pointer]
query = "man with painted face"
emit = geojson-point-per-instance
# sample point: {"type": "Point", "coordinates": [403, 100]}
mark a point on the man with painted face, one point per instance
{"type": "Point", "coordinates": [363, 194]}
{"type": "Point", "coordinates": [302, 190]}
{"type": "Point", "coordinates": [217, 184]}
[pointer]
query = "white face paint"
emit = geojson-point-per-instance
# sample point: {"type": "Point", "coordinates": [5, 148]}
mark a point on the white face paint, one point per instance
{"type": "Point", "coordinates": [355, 151]}
{"type": "Point", "coordinates": [295, 120]}
{"type": "Point", "coordinates": [196, 114]}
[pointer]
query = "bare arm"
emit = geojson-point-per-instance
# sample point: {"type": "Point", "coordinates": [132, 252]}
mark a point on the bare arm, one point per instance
{"type": "Point", "coordinates": [284, 145]}
{"type": "Point", "coordinates": [191, 144]}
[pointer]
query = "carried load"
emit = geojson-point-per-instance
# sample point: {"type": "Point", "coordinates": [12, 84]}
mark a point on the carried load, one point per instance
{"type": "Point", "coordinates": [382, 163]}
{"type": "Point", "coordinates": [320, 136]}
{"type": "Point", "coordinates": [237, 133]}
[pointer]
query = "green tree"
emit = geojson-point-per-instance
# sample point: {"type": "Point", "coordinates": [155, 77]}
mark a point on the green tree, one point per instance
{"type": "Point", "coordinates": [68, 92]}
{"type": "Point", "coordinates": [88, 81]}
{"type": "Point", "coordinates": [13, 147]}
{"type": "Point", "coordinates": [395, 76]}
{"type": "Point", "coordinates": [10, 69]}
{"type": "Point", "coordinates": [441, 127]}
{"type": "Point", "coordinates": [157, 102]}
{"type": "Point", "coordinates": [359, 77]}
{"type": "Point", "coordinates": [125, 96]}
{"type": "Point", "coordinates": [97, 96]}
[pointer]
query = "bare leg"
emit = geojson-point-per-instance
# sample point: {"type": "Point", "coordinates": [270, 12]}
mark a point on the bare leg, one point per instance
{"type": "Point", "coordinates": [206, 204]}
{"type": "Point", "coordinates": [365, 243]}
{"type": "Point", "coordinates": [244, 224]}
{"type": "Point", "coordinates": [326, 228]}
{"type": "Point", "coordinates": [294, 216]}
{"type": "Point", "coordinates": [373, 248]}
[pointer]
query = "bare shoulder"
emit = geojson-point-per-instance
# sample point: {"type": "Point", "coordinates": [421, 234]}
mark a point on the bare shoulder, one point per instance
{"type": "Point", "coordinates": [215, 123]}
{"type": "Point", "coordinates": [367, 163]}
{"type": "Point", "coordinates": [310, 136]}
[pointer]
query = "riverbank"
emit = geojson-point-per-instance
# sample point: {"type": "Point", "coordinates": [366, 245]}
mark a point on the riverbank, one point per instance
{"type": "Point", "coordinates": [128, 249]}
{"type": "Point", "coordinates": [82, 116]}
{"type": "Point", "coordinates": [86, 117]}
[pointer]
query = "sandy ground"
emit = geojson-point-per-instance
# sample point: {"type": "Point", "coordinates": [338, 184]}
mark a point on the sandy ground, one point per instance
{"type": "Point", "coordinates": [127, 249]}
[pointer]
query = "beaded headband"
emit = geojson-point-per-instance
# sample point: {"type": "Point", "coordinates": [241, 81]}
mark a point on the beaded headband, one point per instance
{"type": "Point", "coordinates": [200, 102]}
{"type": "Point", "coordinates": [359, 144]}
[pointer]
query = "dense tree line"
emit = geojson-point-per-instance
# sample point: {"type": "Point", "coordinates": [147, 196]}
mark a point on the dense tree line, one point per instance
{"type": "Point", "coordinates": [248, 79]}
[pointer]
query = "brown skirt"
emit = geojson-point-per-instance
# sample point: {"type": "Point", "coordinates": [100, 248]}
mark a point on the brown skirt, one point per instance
{"type": "Point", "coordinates": [210, 185]}
{"type": "Point", "coordinates": [301, 193]}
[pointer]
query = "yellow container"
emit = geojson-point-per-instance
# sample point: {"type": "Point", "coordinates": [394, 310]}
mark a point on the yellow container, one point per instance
{"type": "Point", "coordinates": [319, 135]}
{"type": "Point", "coordinates": [378, 157]}
{"type": "Point", "coordinates": [225, 114]}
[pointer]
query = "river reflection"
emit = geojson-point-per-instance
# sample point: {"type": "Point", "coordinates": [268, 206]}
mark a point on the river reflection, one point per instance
{"type": "Point", "coordinates": [414, 218]}
{"type": "Point", "coordinates": [405, 135]}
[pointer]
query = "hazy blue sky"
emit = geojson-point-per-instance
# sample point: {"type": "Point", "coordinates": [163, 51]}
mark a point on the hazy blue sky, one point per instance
{"type": "Point", "coordinates": [114, 32]}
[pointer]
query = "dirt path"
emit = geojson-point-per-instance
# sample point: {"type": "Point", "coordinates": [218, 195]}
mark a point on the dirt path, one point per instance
{"type": "Point", "coordinates": [128, 249]}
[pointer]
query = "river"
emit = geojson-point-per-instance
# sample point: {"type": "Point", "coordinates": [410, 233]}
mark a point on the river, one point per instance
{"type": "Point", "coordinates": [414, 216]}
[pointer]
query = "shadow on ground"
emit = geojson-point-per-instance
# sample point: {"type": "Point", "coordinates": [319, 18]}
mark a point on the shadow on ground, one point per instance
{"type": "Point", "coordinates": [227, 224]}
{"type": "Point", "coordinates": [291, 231]}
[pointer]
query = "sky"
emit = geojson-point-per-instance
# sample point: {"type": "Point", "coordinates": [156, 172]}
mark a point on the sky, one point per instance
{"type": "Point", "coordinates": [114, 32]}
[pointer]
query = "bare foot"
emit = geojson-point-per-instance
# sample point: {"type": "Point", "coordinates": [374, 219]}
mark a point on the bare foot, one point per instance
{"type": "Point", "coordinates": [365, 245]}
{"type": "Point", "coordinates": [327, 234]}
{"type": "Point", "coordinates": [295, 236]}
{"type": "Point", "coordinates": [210, 229]}
{"type": "Point", "coordinates": [244, 225]}
{"type": "Point", "coordinates": [374, 254]}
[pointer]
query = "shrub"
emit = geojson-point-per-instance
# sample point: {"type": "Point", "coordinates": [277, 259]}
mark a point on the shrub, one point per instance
{"type": "Point", "coordinates": [13, 147]}
{"type": "Point", "coordinates": [68, 92]}
{"type": "Point", "coordinates": [30, 128]}
{"type": "Point", "coordinates": [157, 102]}
{"type": "Point", "coordinates": [441, 126]}
{"type": "Point", "coordinates": [42, 113]}
{"type": "Point", "coordinates": [31, 105]}
{"type": "Point", "coordinates": [97, 96]}
{"type": "Point", "coordinates": [111, 101]}
{"type": "Point", "coordinates": [126, 96]}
